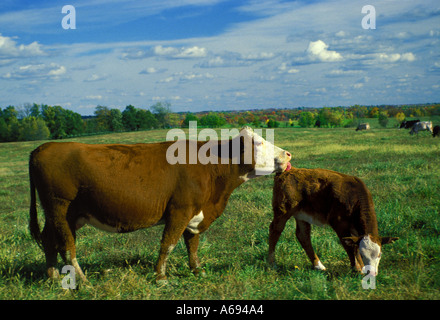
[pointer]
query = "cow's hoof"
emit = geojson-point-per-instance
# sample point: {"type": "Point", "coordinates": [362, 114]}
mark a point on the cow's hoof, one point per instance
{"type": "Point", "coordinates": [53, 273]}
{"type": "Point", "coordinates": [272, 265]}
{"type": "Point", "coordinates": [199, 272]}
{"type": "Point", "coordinates": [161, 280]}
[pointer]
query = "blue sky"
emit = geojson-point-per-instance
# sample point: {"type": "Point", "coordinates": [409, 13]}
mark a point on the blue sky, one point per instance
{"type": "Point", "coordinates": [218, 54]}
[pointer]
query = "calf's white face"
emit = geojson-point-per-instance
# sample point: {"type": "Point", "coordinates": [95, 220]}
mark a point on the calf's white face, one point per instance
{"type": "Point", "coordinates": [371, 252]}
{"type": "Point", "coordinates": [370, 249]}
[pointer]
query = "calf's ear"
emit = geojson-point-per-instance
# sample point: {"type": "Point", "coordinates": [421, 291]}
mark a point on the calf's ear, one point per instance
{"type": "Point", "coordinates": [388, 240]}
{"type": "Point", "coordinates": [351, 241]}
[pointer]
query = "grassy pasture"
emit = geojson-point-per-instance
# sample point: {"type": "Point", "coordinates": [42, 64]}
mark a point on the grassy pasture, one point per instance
{"type": "Point", "coordinates": [401, 171]}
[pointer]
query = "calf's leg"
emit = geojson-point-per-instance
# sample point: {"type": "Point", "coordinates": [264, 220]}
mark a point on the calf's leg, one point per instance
{"type": "Point", "coordinates": [303, 230]}
{"type": "Point", "coordinates": [275, 230]}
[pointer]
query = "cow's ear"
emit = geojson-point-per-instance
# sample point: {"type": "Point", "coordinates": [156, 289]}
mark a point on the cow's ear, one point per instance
{"type": "Point", "coordinates": [388, 240]}
{"type": "Point", "coordinates": [351, 241]}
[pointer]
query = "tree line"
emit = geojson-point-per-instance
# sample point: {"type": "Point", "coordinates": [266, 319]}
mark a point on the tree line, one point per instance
{"type": "Point", "coordinates": [41, 122]}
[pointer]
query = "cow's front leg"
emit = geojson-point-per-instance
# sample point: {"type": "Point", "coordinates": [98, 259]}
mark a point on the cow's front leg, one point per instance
{"type": "Point", "coordinates": [192, 244]}
{"type": "Point", "coordinates": [171, 234]}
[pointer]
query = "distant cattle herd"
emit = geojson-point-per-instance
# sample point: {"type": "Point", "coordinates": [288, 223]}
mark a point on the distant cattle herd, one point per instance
{"type": "Point", "coordinates": [415, 125]}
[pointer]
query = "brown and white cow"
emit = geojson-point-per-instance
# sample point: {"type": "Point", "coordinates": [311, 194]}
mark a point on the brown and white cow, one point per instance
{"type": "Point", "coordinates": [324, 197]}
{"type": "Point", "coordinates": [123, 188]}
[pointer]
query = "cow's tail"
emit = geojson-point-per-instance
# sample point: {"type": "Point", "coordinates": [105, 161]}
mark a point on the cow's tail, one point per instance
{"type": "Point", "coordinates": [34, 227]}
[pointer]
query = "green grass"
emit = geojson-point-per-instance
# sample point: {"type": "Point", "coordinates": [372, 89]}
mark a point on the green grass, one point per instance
{"type": "Point", "coordinates": [401, 171]}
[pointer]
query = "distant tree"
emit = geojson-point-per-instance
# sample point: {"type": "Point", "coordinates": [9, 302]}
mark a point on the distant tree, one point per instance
{"type": "Point", "coordinates": [174, 120]}
{"type": "Point", "coordinates": [212, 120]}
{"type": "Point", "coordinates": [3, 130]}
{"type": "Point", "coordinates": [306, 119]}
{"type": "Point", "coordinates": [145, 120]}
{"type": "Point", "coordinates": [74, 124]}
{"type": "Point", "coordinates": [129, 120]}
{"type": "Point", "coordinates": [256, 123]}
{"type": "Point", "coordinates": [400, 116]}
{"type": "Point", "coordinates": [55, 121]}
{"type": "Point", "coordinates": [189, 117]}
{"type": "Point", "coordinates": [241, 121]}
{"type": "Point", "coordinates": [330, 117]}
{"type": "Point", "coordinates": [161, 111]}
{"type": "Point", "coordinates": [115, 120]}
{"type": "Point", "coordinates": [9, 114]}
{"type": "Point", "coordinates": [32, 128]}
{"type": "Point", "coordinates": [24, 111]}
{"type": "Point", "coordinates": [374, 112]}
{"type": "Point", "coordinates": [383, 118]}
{"type": "Point", "coordinates": [103, 117]}
{"type": "Point", "coordinates": [35, 111]}
{"type": "Point", "coordinates": [271, 123]}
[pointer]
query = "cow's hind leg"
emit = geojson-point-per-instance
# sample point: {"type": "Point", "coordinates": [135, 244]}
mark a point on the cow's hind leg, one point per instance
{"type": "Point", "coordinates": [50, 250]}
{"type": "Point", "coordinates": [192, 244]}
{"type": "Point", "coordinates": [59, 237]}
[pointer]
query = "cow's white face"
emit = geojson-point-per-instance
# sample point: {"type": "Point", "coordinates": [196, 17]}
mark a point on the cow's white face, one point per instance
{"type": "Point", "coordinates": [371, 252]}
{"type": "Point", "coordinates": [268, 157]}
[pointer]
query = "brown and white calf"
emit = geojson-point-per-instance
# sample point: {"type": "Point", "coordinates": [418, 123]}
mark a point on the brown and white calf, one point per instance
{"type": "Point", "coordinates": [324, 197]}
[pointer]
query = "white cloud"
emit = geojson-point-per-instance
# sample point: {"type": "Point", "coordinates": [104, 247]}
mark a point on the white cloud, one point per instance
{"type": "Point", "coordinates": [10, 49]}
{"type": "Point", "coordinates": [168, 79]}
{"type": "Point", "coordinates": [234, 59]}
{"type": "Point", "coordinates": [94, 97]}
{"type": "Point", "coordinates": [339, 72]}
{"type": "Point", "coordinates": [341, 34]}
{"type": "Point", "coordinates": [395, 57]}
{"type": "Point", "coordinates": [57, 71]}
{"type": "Point", "coordinates": [169, 52]}
{"type": "Point", "coordinates": [284, 68]}
{"type": "Point", "coordinates": [408, 57]}
{"type": "Point", "coordinates": [318, 50]}
{"type": "Point", "coordinates": [186, 77]}
{"type": "Point", "coordinates": [36, 71]}
{"type": "Point", "coordinates": [152, 70]}
{"type": "Point", "coordinates": [191, 53]}
{"type": "Point", "coordinates": [96, 77]}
